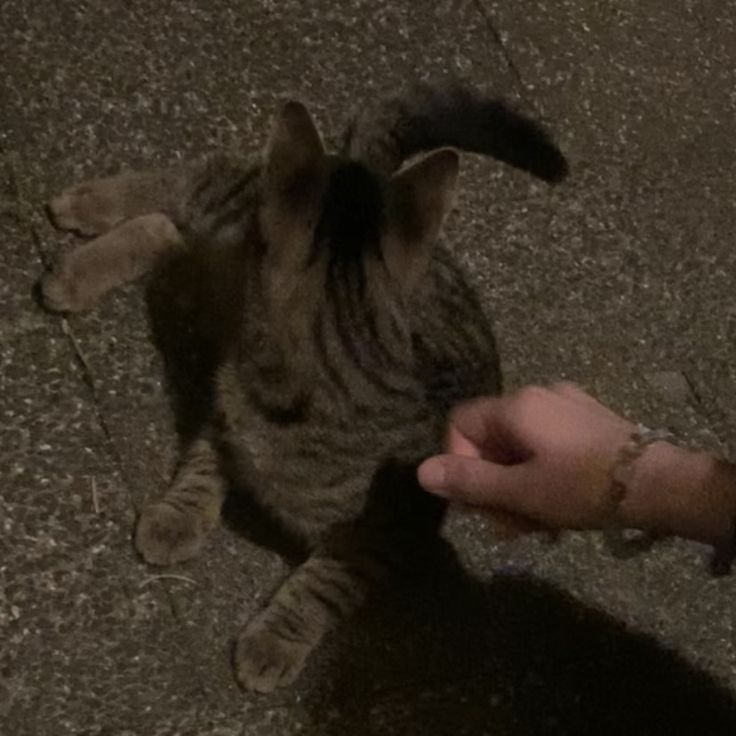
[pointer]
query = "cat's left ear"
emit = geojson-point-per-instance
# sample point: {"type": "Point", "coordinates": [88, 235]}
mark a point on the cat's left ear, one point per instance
{"type": "Point", "coordinates": [420, 196]}
{"type": "Point", "coordinates": [293, 183]}
{"type": "Point", "coordinates": [294, 150]}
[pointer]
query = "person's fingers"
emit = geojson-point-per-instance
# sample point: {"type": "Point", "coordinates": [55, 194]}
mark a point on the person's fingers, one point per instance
{"type": "Point", "coordinates": [569, 390]}
{"type": "Point", "coordinates": [483, 428]}
{"type": "Point", "coordinates": [457, 443]}
{"type": "Point", "coordinates": [474, 481]}
{"type": "Point", "coordinates": [473, 419]}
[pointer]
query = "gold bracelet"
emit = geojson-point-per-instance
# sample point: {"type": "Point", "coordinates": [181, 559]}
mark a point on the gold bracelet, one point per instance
{"type": "Point", "coordinates": [620, 543]}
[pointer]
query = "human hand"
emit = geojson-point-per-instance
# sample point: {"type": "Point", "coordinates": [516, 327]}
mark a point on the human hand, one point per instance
{"type": "Point", "coordinates": [545, 454]}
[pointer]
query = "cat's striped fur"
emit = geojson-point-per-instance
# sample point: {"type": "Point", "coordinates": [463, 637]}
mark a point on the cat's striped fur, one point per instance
{"type": "Point", "coordinates": [346, 333]}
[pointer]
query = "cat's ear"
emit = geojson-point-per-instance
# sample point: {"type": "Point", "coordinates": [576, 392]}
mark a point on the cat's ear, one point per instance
{"type": "Point", "coordinates": [294, 147]}
{"type": "Point", "coordinates": [293, 181]}
{"type": "Point", "coordinates": [420, 196]}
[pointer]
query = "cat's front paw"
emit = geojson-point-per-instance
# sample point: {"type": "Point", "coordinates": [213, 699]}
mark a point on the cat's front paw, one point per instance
{"type": "Point", "coordinates": [265, 661]}
{"type": "Point", "coordinates": [82, 210]}
{"type": "Point", "coordinates": [164, 535]}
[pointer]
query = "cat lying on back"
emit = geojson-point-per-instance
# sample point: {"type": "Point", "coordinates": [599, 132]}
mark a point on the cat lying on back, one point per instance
{"type": "Point", "coordinates": [346, 331]}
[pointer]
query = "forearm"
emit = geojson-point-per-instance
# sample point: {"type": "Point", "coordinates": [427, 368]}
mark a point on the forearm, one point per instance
{"type": "Point", "coordinates": [684, 493]}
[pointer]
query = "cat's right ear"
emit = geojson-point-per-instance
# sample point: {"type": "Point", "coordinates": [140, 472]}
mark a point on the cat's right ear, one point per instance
{"type": "Point", "coordinates": [421, 195]}
{"type": "Point", "coordinates": [293, 183]}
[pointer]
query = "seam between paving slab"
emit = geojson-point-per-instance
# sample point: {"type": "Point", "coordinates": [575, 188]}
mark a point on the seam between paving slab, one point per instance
{"type": "Point", "coordinates": [487, 18]}
{"type": "Point", "coordinates": [27, 217]}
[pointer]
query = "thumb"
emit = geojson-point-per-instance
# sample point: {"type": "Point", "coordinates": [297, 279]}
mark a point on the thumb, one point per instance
{"type": "Point", "coordinates": [470, 480]}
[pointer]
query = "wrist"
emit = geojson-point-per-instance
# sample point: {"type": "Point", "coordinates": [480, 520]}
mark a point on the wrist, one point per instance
{"type": "Point", "coordinates": [675, 491]}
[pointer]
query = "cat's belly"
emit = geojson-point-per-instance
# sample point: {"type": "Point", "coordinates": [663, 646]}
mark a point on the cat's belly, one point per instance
{"type": "Point", "coordinates": [314, 480]}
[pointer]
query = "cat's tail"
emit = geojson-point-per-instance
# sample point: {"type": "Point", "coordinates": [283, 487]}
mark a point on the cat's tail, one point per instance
{"type": "Point", "coordinates": [428, 116]}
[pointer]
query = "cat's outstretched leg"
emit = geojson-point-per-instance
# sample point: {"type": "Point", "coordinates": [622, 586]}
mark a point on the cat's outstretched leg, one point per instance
{"type": "Point", "coordinates": [399, 522]}
{"type": "Point", "coordinates": [83, 275]}
{"type": "Point", "coordinates": [273, 648]}
{"type": "Point", "coordinates": [96, 206]}
{"type": "Point", "coordinates": [174, 528]}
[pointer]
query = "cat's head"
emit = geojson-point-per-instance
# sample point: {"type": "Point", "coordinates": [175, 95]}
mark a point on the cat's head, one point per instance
{"type": "Point", "coordinates": [318, 209]}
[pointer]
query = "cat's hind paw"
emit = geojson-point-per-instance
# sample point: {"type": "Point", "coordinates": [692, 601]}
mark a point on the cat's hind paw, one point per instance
{"type": "Point", "coordinates": [165, 535]}
{"type": "Point", "coordinates": [82, 210]}
{"type": "Point", "coordinates": [59, 293]}
{"type": "Point", "coordinates": [265, 661]}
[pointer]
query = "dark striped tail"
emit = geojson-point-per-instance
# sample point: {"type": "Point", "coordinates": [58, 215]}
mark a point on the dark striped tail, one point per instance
{"type": "Point", "coordinates": [427, 117]}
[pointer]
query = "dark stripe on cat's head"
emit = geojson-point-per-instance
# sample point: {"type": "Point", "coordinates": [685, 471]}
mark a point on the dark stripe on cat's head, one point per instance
{"type": "Point", "coordinates": [353, 213]}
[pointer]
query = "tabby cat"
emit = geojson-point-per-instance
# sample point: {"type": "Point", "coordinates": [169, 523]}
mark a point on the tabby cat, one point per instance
{"type": "Point", "coordinates": [346, 330]}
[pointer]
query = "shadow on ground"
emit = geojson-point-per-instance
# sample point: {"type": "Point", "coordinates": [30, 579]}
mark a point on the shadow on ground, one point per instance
{"type": "Point", "coordinates": [522, 657]}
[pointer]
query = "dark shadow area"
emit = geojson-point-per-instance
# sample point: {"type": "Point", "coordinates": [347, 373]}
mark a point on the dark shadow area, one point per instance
{"type": "Point", "coordinates": [187, 338]}
{"type": "Point", "coordinates": [249, 519]}
{"type": "Point", "coordinates": [447, 654]}
{"type": "Point", "coordinates": [190, 334]}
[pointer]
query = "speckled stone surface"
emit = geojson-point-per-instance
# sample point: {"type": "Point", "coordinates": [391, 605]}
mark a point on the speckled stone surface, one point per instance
{"type": "Point", "coordinates": [620, 279]}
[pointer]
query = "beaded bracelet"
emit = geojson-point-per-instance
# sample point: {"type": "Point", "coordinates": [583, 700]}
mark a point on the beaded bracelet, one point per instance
{"type": "Point", "coordinates": [620, 543]}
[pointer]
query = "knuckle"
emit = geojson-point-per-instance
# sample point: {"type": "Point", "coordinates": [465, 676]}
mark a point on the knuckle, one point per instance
{"type": "Point", "coordinates": [564, 386]}
{"type": "Point", "coordinates": [529, 395]}
{"type": "Point", "coordinates": [568, 389]}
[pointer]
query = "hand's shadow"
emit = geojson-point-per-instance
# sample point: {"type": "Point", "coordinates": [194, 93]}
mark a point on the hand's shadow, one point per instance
{"type": "Point", "coordinates": [446, 654]}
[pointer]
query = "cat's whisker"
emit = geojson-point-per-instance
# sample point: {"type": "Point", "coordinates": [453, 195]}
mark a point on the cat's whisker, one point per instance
{"type": "Point", "coordinates": [167, 576]}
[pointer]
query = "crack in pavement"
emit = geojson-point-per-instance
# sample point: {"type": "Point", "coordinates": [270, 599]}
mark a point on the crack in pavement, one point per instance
{"type": "Point", "coordinates": [508, 58]}
{"type": "Point", "coordinates": [25, 213]}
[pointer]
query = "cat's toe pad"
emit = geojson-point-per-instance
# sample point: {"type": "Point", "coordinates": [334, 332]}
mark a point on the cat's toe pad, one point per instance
{"type": "Point", "coordinates": [80, 210]}
{"type": "Point", "coordinates": [164, 535]}
{"type": "Point", "coordinates": [264, 661]}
